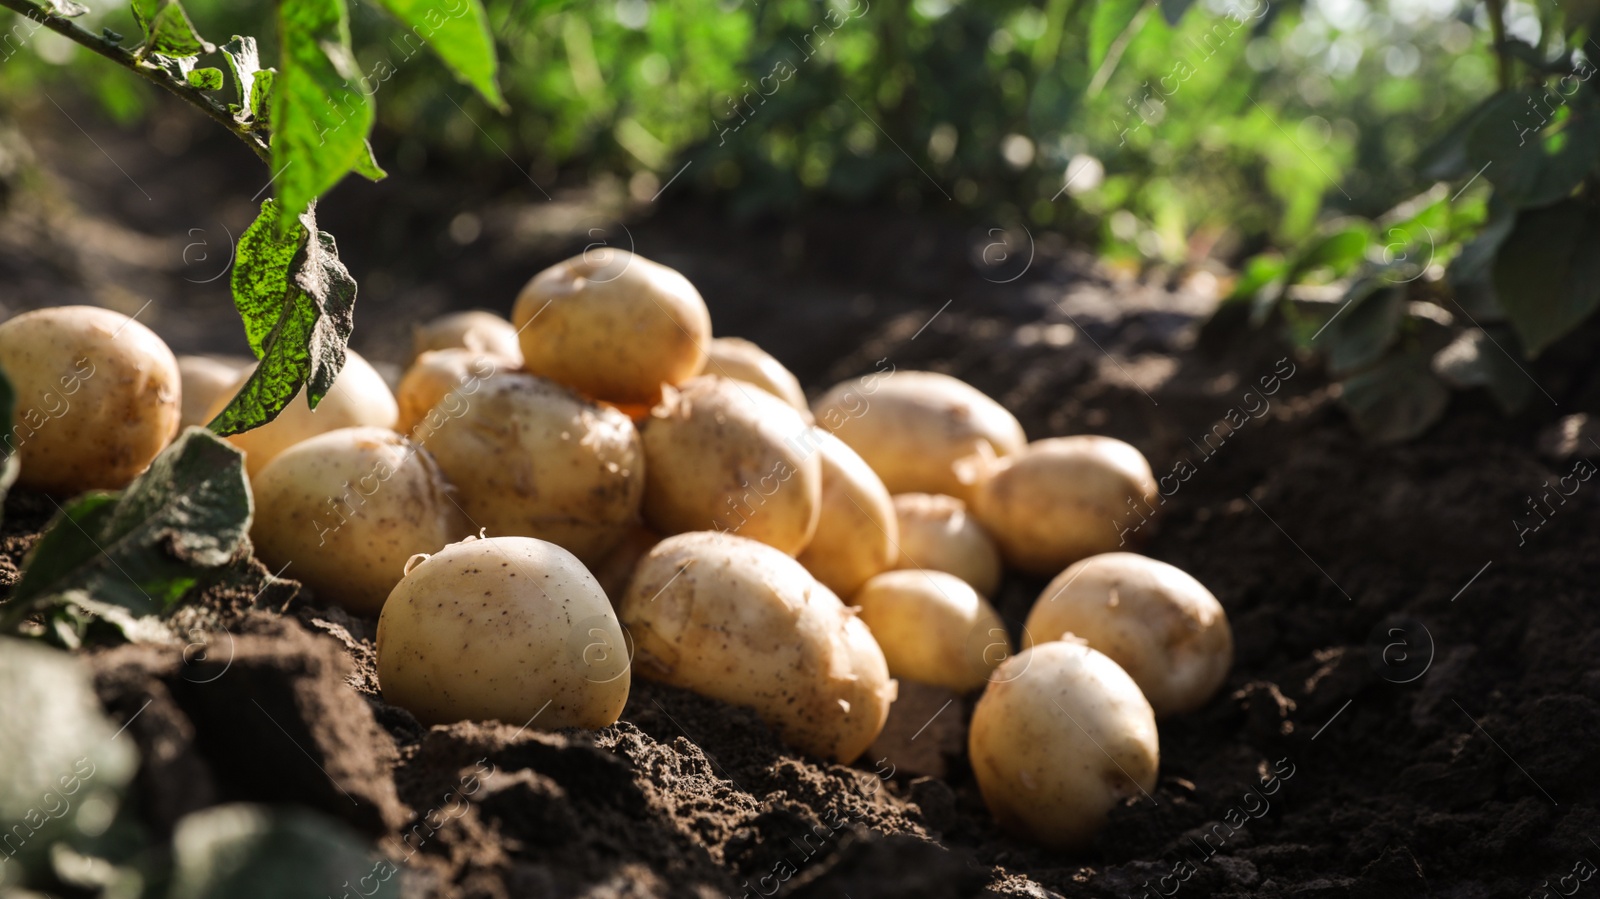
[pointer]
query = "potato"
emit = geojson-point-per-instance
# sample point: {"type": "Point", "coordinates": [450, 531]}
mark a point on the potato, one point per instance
{"type": "Point", "coordinates": [726, 456]}
{"type": "Point", "coordinates": [205, 379]}
{"type": "Point", "coordinates": [1165, 629]}
{"type": "Point", "coordinates": [1060, 737]}
{"type": "Point", "coordinates": [615, 569]}
{"type": "Point", "coordinates": [737, 358]}
{"type": "Point", "coordinates": [98, 395]}
{"type": "Point", "coordinates": [937, 534]}
{"type": "Point", "coordinates": [1062, 500]}
{"type": "Point", "coordinates": [741, 622]}
{"type": "Point", "coordinates": [856, 534]}
{"type": "Point", "coordinates": [509, 629]}
{"type": "Point", "coordinates": [475, 331]}
{"type": "Point", "coordinates": [436, 373]}
{"type": "Point", "coordinates": [920, 431]}
{"type": "Point", "coordinates": [530, 458]}
{"type": "Point", "coordinates": [346, 509]}
{"type": "Point", "coordinates": [359, 398]}
{"type": "Point", "coordinates": [934, 628]}
{"type": "Point", "coordinates": [613, 326]}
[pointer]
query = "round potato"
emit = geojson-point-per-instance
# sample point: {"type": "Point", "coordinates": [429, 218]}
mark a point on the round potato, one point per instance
{"type": "Point", "coordinates": [741, 360]}
{"type": "Point", "coordinates": [613, 326]}
{"type": "Point", "coordinates": [934, 628]}
{"type": "Point", "coordinates": [1165, 629]}
{"type": "Point", "coordinates": [739, 621]}
{"type": "Point", "coordinates": [530, 458]}
{"type": "Point", "coordinates": [436, 373]}
{"type": "Point", "coordinates": [725, 456]}
{"type": "Point", "coordinates": [856, 531]}
{"type": "Point", "coordinates": [97, 397]}
{"type": "Point", "coordinates": [474, 331]}
{"type": "Point", "coordinates": [508, 629]}
{"type": "Point", "coordinates": [1062, 500]}
{"type": "Point", "coordinates": [1060, 737]}
{"type": "Point", "coordinates": [922, 432]}
{"type": "Point", "coordinates": [937, 534]}
{"type": "Point", "coordinates": [205, 378]}
{"type": "Point", "coordinates": [346, 509]}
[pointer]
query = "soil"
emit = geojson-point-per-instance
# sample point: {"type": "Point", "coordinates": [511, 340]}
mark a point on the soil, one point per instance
{"type": "Point", "coordinates": [1415, 663]}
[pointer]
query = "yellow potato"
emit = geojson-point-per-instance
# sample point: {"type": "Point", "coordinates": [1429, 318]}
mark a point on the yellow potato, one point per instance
{"type": "Point", "coordinates": [508, 629]}
{"type": "Point", "coordinates": [738, 621]}
{"type": "Point", "coordinates": [726, 456]}
{"type": "Point", "coordinates": [98, 395]}
{"type": "Point", "coordinates": [205, 378]}
{"type": "Point", "coordinates": [613, 326]}
{"type": "Point", "coordinates": [436, 373]}
{"type": "Point", "coordinates": [1165, 629]}
{"type": "Point", "coordinates": [346, 509]}
{"type": "Point", "coordinates": [1062, 500]}
{"type": "Point", "coordinates": [856, 532]}
{"type": "Point", "coordinates": [475, 331]}
{"type": "Point", "coordinates": [1060, 737]}
{"type": "Point", "coordinates": [937, 534]}
{"type": "Point", "coordinates": [737, 358]}
{"type": "Point", "coordinates": [934, 628]}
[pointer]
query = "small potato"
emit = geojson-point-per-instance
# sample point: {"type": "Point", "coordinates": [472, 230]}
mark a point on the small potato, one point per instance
{"type": "Point", "coordinates": [934, 628]}
{"type": "Point", "coordinates": [739, 621]}
{"type": "Point", "coordinates": [98, 395]}
{"type": "Point", "coordinates": [615, 569]}
{"type": "Point", "coordinates": [346, 509]}
{"type": "Point", "coordinates": [741, 360]}
{"type": "Point", "coordinates": [1060, 737]}
{"type": "Point", "coordinates": [922, 432]}
{"type": "Point", "coordinates": [726, 456]}
{"type": "Point", "coordinates": [937, 534]}
{"type": "Point", "coordinates": [1062, 500]}
{"type": "Point", "coordinates": [436, 373]}
{"type": "Point", "coordinates": [509, 629]}
{"type": "Point", "coordinates": [530, 458]}
{"type": "Point", "coordinates": [205, 379]}
{"type": "Point", "coordinates": [475, 331]}
{"type": "Point", "coordinates": [612, 326]}
{"type": "Point", "coordinates": [856, 531]}
{"type": "Point", "coordinates": [1165, 629]}
{"type": "Point", "coordinates": [359, 398]}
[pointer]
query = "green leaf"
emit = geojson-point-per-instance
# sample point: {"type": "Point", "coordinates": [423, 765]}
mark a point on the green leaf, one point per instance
{"type": "Point", "coordinates": [1339, 250]}
{"type": "Point", "coordinates": [171, 34]}
{"type": "Point", "coordinates": [207, 79]}
{"type": "Point", "coordinates": [1367, 327]}
{"type": "Point", "coordinates": [1537, 145]}
{"type": "Point", "coordinates": [1474, 360]}
{"type": "Point", "coordinates": [245, 61]}
{"type": "Point", "coordinates": [67, 9]}
{"type": "Point", "coordinates": [460, 36]}
{"type": "Point", "coordinates": [1396, 400]}
{"type": "Point", "coordinates": [1108, 20]}
{"type": "Point", "coordinates": [320, 120]}
{"type": "Point", "coordinates": [368, 167]}
{"type": "Point", "coordinates": [260, 103]}
{"type": "Point", "coordinates": [1173, 10]}
{"type": "Point", "coordinates": [143, 12]}
{"type": "Point", "coordinates": [1547, 272]}
{"type": "Point", "coordinates": [243, 851]}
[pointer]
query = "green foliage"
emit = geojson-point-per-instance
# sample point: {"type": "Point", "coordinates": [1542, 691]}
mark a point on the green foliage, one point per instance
{"type": "Point", "coordinates": [244, 851]}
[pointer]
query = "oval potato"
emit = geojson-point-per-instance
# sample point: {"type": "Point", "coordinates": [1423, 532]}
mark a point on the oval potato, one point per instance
{"type": "Point", "coordinates": [475, 331]}
{"type": "Point", "coordinates": [436, 373]}
{"type": "Point", "coordinates": [856, 535]}
{"type": "Point", "coordinates": [741, 360]}
{"type": "Point", "coordinates": [937, 534]}
{"type": "Point", "coordinates": [934, 628]}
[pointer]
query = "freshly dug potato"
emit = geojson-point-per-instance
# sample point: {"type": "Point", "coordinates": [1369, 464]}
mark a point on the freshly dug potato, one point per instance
{"type": "Point", "coordinates": [1062, 500]}
{"type": "Point", "coordinates": [856, 531]}
{"type": "Point", "coordinates": [1165, 629]}
{"type": "Point", "coordinates": [530, 458]}
{"type": "Point", "coordinates": [725, 456]}
{"type": "Point", "coordinates": [922, 432]}
{"type": "Point", "coordinates": [205, 378]}
{"type": "Point", "coordinates": [475, 331]}
{"type": "Point", "coordinates": [613, 326]}
{"type": "Point", "coordinates": [615, 569]}
{"type": "Point", "coordinates": [346, 509]}
{"type": "Point", "coordinates": [937, 534]}
{"type": "Point", "coordinates": [509, 629]}
{"type": "Point", "coordinates": [934, 628]}
{"type": "Point", "coordinates": [97, 397]}
{"type": "Point", "coordinates": [739, 621]}
{"type": "Point", "coordinates": [359, 398]}
{"type": "Point", "coordinates": [436, 373]}
{"type": "Point", "coordinates": [737, 358]}
{"type": "Point", "coordinates": [1060, 737]}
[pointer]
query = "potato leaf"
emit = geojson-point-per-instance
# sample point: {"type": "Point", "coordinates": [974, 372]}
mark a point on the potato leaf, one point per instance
{"type": "Point", "coordinates": [245, 60]}
{"type": "Point", "coordinates": [171, 34]}
{"type": "Point", "coordinates": [1395, 400]}
{"type": "Point", "coordinates": [206, 79]}
{"type": "Point", "coordinates": [368, 167]}
{"type": "Point", "coordinates": [1546, 273]}
{"type": "Point", "coordinates": [1474, 360]}
{"type": "Point", "coordinates": [1107, 22]}
{"type": "Point", "coordinates": [458, 30]}
{"type": "Point", "coordinates": [320, 119]}
{"type": "Point", "coordinates": [243, 851]}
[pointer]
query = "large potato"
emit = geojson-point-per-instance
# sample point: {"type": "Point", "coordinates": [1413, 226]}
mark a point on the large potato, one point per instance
{"type": "Point", "coordinates": [435, 374]}
{"type": "Point", "coordinates": [725, 456]}
{"type": "Point", "coordinates": [530, 458]}
{"type": "Point", "coordinates": [346, 509]}
{"type": "Point", "coordinates": [613, 326]}
{"type": "Point", "coordinates": [98, 395]}
{"type": "Point", "coordinates": [937, 534]}
{"type": "Point", "coordinates": [922, 432]}
{"type": "Point", "coordinates": [1060, 737]}
{"type": "Point", "coordinates": [1062, 500]}
{"type": "Point", "coordinates": [205, 378]}
{"type": "Point", "coordinates": [474, 331]}
{"type": "Point", "coordinates": [738, 621]}
{"type": "Point", "coordinates": [856, 535]}
{"type": "Point", "coordinates": [737, 358]}
{"type": "Point", "coordinates": [504, 628]}
{"type": "Point", "coordinates": [934, 628]}
{"type": "Point", "coordinates": [1165, 629]}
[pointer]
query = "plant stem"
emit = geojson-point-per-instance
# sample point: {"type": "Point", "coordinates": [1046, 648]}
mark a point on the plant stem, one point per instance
{"type": "Point", "coordinates": [128, 60]}
{"type": "Point", "coordinates": [1497, 30]}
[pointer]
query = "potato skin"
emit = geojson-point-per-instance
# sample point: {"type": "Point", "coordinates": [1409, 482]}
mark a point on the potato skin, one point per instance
{"type": "Point", "coordinates": [613, 326]}
{"type": "Point", "coordinates": [98, 396]}
{"type": "Point", "coordinates": [494, 629]}
{"type": "Point", "coordinates": [933, 628]}
{"type": "Point", "coordinates": [1060, 737]}
{"type": "Point", "coordinates": [346, 509]}
{"type": "Point", "coordinates": [1062, 499]}
{"type": "Point", "coordinates": [726, 456]}
{"type": "Point", "coordinates": [739, 621]}
{"type": "Point", "coordinates": [742, 360]}
{"type": "Point", "coordinates": [475, 330]}
{"type": "Point", "coordinates": [1161, 625]}
{"type": "Point", "coordinates": [530, 458]}
{"type": "Point", "coordinates": [856, 535]}
{"type": "Point", "coordinates": [436, 373]}
{"type": "Point", "coordinates": [914, 427]}
{"type": "Point", "coordinates": [205, 378]}
{"type": "Point", "coordinates": [937, 534]}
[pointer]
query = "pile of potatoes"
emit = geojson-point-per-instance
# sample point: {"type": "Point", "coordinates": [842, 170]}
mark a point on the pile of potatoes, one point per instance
{"type": "Point", "coordinates": [598, 488]}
